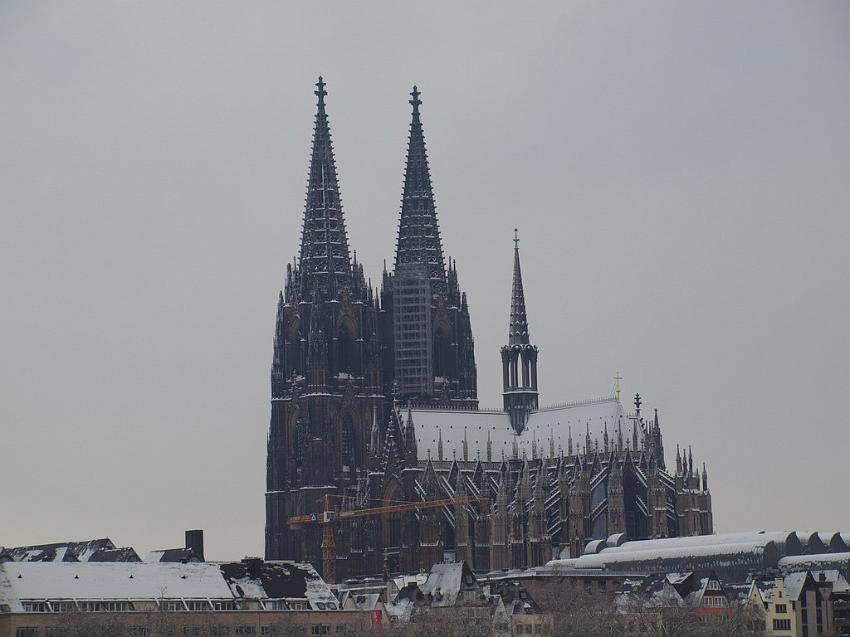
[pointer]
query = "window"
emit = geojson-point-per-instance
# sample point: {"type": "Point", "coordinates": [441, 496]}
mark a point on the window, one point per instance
{"type": "Point", "coordinates": [63, 607]}
{"type": "Point", "coordinates": [35, 607]}
{"type": "Point", "coordinates": [442, 354]}
{"type": "Point", "coordinates": [781, 609]}
{"type": "Point", "coordinates": [320, 629]}
{"type": "Point", "coordinates": [246, 630]}
{"type": "Point", "coordinates": [198, 605]}
{"type": "Point", "coordinates": [137, 631]}
{"type": "Point", "coordinates": [781, 624]}
{"type": "Point", "coordinates": [108, 607]}
{"type": "Point", "coordinates": [347, 441]}
{"type": "Point", "coordinates": [346, 356]}
{"type": "Point", "coordinates": [224, 605]}
{"type": "Point", "coordinates": [26, 631]}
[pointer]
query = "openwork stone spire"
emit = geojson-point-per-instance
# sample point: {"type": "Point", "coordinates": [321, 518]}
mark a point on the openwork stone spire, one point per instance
{"type": "Point", "coordinates": [518, 330]}
{"type": "Point", "coordinates": [418, 232]}
{"type": "Point", "coordinates": [519, 357]}
{"type": "Point", "coordinates": [324, 258]}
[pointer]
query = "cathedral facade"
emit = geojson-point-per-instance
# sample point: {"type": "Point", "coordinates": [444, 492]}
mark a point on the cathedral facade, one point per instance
{"type": "Point", "coordinates": [374, 402]}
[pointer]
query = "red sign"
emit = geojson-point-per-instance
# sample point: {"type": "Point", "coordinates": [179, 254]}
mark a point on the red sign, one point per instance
{"type": "Point", "coordinates": [377, 622]}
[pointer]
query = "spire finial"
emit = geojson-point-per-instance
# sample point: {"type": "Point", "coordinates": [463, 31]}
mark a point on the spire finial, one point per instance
{"type": "Point", "coordinates": [415, 102]}
{"type": "Point", "coordinates": [516, 239]}
{"type": "Point", "coordinates": [320, 91]}
{"type": "Point", "coordinates": [617, 379]}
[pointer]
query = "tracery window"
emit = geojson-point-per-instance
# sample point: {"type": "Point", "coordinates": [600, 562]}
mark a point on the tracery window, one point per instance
{"type": "Point", "coordinates": [347, 441]}
{"type": "Point", "coordinates": [345, 354]}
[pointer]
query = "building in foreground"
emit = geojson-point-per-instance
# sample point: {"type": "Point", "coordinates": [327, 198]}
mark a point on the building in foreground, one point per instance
{"type": "Point", "coordinates": [734, 556]}
{"type": "Point", "coordinates": [252, 597]}
{"type": "Point", "coordinates": [797, 605]}
{"type": "Point", "coordinates": [374, 400]}
{"type": "Point", "coordinates": [451, 601]}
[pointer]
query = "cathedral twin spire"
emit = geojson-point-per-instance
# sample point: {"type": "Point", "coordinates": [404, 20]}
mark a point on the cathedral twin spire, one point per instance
{"type": "Point", "coordinates": [325, 269]}
{"type": "Point", "coordinates": [418, 232]}
{"type": "Point", "coordinates": [324, 259]}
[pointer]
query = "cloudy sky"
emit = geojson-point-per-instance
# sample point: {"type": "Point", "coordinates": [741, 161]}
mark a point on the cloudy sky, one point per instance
{"type": "Point", "coordinates": [679, 173]}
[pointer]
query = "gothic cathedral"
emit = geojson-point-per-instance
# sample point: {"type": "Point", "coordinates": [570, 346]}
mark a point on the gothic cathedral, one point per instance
{"type": "Point", "coordinates": [374, 402]}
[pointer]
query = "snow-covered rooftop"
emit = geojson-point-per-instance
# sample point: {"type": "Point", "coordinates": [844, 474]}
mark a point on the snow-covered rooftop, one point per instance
{"type": "Point", "coordinates": [250, 579]}
{"type": "Point", "coordinates": [549, 428]}
{"type": "Point", "coordinates": [110, 580]}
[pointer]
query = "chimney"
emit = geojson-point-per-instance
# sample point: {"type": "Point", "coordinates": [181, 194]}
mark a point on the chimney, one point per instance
{"type": "Point", "coordinates": [253, 566]}
{"type": "Point", "coordinates": [195, 541]}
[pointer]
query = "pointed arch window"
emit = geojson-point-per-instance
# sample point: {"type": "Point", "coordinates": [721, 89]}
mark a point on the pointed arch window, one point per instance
{"type": "Point", "coordinates": [346, 356]}
{"type": "Point", "coordinates": [299, 444]}
{"type": "Point", "coordinates": [347, 442]}
{"type": "Point", "coordinates": [442, 353]}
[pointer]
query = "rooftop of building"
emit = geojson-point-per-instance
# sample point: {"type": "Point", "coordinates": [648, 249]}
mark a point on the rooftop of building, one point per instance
{"type": "Point", "coordinates": [250, 580]}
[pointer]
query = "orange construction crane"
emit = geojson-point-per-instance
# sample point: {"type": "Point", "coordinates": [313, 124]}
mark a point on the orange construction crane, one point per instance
{"type": "Point", "coordinates": [331, 516]}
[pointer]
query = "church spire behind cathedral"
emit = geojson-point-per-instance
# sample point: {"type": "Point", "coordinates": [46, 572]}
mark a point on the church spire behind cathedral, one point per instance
{"type": "Point", "coordinates": [418, 232]}
{"type": "Point", "coordinates": [324, 258]}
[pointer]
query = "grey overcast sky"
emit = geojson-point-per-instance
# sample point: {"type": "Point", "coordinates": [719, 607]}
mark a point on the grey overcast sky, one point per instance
{"type": "Point", "coordinates": [679, 173]}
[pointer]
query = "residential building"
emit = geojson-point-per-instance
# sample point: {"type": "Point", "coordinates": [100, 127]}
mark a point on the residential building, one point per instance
{"type": "Point", "coordinates": [797, 605]}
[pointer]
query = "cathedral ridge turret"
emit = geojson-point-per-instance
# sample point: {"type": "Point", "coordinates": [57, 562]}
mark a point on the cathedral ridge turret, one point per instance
{"type": "Point", "coordinates": [519, 357]}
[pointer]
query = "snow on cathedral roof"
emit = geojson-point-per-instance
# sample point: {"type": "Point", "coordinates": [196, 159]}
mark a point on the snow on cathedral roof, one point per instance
{"type": "Point", "coordinates": [549, 428]}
